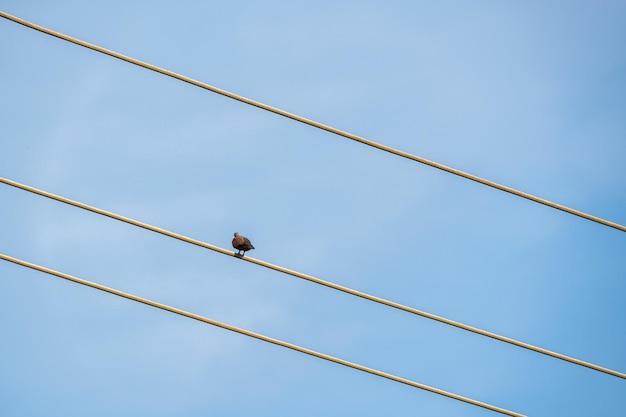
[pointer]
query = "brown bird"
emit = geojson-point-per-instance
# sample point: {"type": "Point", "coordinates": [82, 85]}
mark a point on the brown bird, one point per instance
{"type": "Point", "coordinates": [242, 244]}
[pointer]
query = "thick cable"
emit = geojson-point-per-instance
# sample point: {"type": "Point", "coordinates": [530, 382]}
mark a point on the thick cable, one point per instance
{"type": "Point", "coordinates": [314, 279]}
{"type": "Point", "coordinates": [259, 336]}
{"type": "Point", "coordinates": [314, 123]}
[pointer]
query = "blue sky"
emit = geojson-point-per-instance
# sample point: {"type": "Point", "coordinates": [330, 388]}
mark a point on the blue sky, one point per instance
{"type": "Point", "coordinates": [528, 94]}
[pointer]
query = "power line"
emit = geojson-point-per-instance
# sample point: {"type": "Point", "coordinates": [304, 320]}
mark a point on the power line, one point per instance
{"type": "Point", "coordinates": [314, 123]}
{"type": "Point", "coordinates": [259, 336]}
{"type": "Point", "coordinates": [314, 279]}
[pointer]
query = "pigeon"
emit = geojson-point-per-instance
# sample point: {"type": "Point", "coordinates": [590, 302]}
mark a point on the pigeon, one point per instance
{"type": "Point", "coordinates": [242, 244]}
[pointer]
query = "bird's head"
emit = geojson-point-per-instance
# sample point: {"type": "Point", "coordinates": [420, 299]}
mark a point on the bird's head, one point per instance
{"type": "Point", "coordinates": [236, 234]}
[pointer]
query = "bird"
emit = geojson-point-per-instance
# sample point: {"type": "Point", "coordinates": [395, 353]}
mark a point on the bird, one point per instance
{"type": "Point", "coordinates": [242, 244]}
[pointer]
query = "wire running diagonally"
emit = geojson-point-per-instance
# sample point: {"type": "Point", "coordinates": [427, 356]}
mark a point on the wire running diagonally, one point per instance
{"type": "Point", "coordinates": [313, 279]}
{"type": "Point", "coordinates": [259, 336]}
{"type": "Point", "coordinates": [314, 123]}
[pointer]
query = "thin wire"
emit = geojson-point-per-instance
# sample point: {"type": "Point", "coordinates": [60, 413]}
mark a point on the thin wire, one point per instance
{"type": "Point", "coordinates": [314, 123]}
{"type": "Point", "coordinates": [260, 336]}
{"type": "Point", "coordinates": [314, 279]}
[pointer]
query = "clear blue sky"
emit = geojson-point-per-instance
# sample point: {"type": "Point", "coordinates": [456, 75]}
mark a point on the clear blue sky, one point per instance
{"type": "Point", "coordinates": [529, 94]}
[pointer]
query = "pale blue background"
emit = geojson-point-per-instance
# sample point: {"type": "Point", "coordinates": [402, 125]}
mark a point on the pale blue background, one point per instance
{"type": "Point", "coordinates": [529, 94]}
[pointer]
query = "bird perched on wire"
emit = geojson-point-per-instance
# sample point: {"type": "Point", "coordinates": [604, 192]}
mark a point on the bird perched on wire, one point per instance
{"type": "Point", "coordinates": [242, 244]}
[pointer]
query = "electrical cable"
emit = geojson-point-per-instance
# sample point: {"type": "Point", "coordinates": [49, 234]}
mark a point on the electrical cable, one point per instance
{"type": "Point", "coordinates": [259, 336]}
{"type": "Point", "coordinates": [314, 123]}
{"type": "Point", "coordinates": [313, 279]}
